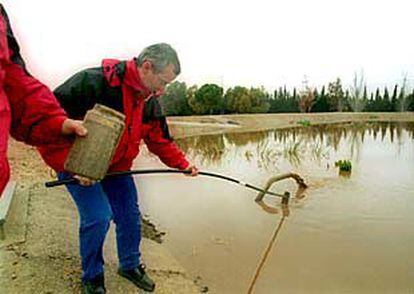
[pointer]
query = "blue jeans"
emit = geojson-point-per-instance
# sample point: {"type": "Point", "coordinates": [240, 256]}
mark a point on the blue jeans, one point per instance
{"type": "Point", "coordinates": [114, 198]}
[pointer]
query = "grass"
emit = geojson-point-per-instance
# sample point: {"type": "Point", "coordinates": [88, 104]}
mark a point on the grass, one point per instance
{"type": "Point", "coordinates": [304, 122]}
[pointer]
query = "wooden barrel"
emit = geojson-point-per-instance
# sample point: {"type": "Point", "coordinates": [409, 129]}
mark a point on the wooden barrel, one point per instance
{"type": "Point", "coordinates": [90, 156]}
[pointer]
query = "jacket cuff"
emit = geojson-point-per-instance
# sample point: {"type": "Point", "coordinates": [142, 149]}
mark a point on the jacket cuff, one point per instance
{"type": "Point", "coordinates": [55, 125]}
{"type": "Point", "coordinates": [184, 164]}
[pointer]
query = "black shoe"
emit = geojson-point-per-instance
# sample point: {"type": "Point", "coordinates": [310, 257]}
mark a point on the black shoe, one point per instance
{"type": "Point", "coordinates": [139, 278]}
{"type": "Point", "coordinates": [94, 286]}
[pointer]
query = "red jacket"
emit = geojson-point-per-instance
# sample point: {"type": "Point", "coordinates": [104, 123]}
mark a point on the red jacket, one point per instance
{"type": "Point", "coordinates": [28, 109]}
{"type": "Point", "coordinates": [117, 85]}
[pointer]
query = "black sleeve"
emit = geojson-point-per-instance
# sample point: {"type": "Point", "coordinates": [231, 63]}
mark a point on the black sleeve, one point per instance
{"type": "Point", "coordinates": [153, 112]}
{"type": "Point", "coordinates": [80, 92]}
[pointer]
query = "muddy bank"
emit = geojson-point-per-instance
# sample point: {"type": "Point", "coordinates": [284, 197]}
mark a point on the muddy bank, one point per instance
{"type": "Point", "coordinates": [43, 256]}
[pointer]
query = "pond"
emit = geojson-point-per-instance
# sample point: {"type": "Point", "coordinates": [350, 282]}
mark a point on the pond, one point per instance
{"type": "Point", "coordinates": [350, 233]}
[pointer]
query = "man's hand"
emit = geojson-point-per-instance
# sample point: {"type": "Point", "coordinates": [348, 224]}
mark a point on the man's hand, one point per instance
{"type": "Point", "coordinates": [193, 169]}
{"type": "Point", "coordinates": [71, 126]}
{"type": "Point", "coordinates": [84, 181]}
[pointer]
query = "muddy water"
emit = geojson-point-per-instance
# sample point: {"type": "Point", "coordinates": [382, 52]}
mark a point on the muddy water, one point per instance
{"type": "Point", "coordinates": [350, 234]}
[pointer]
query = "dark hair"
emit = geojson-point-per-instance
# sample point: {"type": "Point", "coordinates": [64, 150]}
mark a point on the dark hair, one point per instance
{"type": "Point", "coordinates": [160, 55]}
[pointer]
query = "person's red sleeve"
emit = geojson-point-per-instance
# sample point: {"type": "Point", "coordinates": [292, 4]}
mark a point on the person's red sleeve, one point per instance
{"type": "Point", "coordinates": [164, 148]}
{"type": "Point", "coordinates": [37, 117]}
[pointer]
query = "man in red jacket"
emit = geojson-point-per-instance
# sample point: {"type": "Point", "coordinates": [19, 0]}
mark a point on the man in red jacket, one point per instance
{"type": "Point", "coordinates": [129, 87]}
{"type": "Point", "coordinates": [28, 109]}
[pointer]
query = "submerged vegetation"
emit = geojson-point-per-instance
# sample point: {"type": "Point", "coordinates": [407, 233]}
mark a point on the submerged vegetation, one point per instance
{"type": "Point", "coordinates": [344, 165]}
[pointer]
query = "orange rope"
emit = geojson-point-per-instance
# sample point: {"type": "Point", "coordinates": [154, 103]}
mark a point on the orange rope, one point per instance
{"type": "Point", "coordinates": [269, 247]}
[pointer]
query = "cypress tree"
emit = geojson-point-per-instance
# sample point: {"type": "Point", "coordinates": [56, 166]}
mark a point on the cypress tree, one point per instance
{"type": "Point", "coordinates": [394, 99]}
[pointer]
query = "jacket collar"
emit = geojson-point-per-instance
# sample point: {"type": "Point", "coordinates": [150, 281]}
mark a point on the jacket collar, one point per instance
{"type": "Point", "coordinates": [133, 79]}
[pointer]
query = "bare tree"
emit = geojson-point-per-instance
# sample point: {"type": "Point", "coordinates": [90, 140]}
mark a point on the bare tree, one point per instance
{"type": "Point", "coordinates": [306, 96]}
{"type": "Point", "coordinates": [403, 105]}
{"type": "Point", "coordinates": [357, 102]}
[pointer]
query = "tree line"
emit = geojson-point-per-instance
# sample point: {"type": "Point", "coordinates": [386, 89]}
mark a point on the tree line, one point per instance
{"type": "Point", "coordinates": [179, 100]}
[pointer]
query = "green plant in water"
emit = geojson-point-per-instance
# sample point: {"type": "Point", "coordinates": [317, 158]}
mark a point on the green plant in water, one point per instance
{"type": "Point", "coordinates": [344, 165]}
{"type": "Point", "coordinates": [304, 122]}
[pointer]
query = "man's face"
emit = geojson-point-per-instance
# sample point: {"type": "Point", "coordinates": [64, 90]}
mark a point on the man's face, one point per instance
{"type": "Point", "coordinates": [156, 82]}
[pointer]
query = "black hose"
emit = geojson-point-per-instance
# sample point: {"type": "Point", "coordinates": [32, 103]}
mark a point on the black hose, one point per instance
{"type": "Point", "coordinates": [158, 171]}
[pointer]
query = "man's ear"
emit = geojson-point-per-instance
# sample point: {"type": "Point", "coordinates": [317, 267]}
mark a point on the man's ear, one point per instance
{"type": "Point", "coordinates": [147, 65]}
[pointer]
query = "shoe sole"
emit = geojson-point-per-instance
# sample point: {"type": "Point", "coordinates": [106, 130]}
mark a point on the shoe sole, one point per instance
{"type": "Point", "coordinates": [136, 284]}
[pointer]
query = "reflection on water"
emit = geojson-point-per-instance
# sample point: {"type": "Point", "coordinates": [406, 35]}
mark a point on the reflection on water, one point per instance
{"type": "Point", "coordinates": [348, 235]}
{"type": "Point", "coordinates": [209, 148]}
{"type": "Point", "coordinates": [292, 144]}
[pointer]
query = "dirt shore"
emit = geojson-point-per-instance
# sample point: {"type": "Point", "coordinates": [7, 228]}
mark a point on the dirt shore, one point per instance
{"type": "Point", "coordinates": [40, 252]}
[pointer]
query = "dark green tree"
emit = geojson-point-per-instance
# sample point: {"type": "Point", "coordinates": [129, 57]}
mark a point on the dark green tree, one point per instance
{"type": "Point", "coordinates": [237, 100]}
{"type": "Point", "coordinates": [410, 102]}
{"type": "Point", "coordinates": [394, 99]}
{"type": "Point", "coordinates": [207, 100]}
{"type": "Point", "coordinates": [335, 96]}
{"type": "Point", "coordinates": [260, 100]}
{"type": "Point", "coordinates": [321, 103]}
{"type": "Point", "coordinates": [174, 100]}
{"type": "Point", "coordinates": [386, 101]}
{"type": "Point", "coordinates": [377, 105]}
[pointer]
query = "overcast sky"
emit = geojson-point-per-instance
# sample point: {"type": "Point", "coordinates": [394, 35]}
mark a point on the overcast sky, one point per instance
{"type": "Point", "coordinates": [249, 43]}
